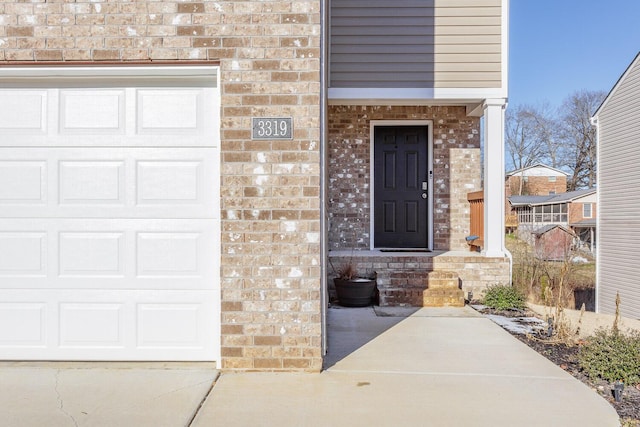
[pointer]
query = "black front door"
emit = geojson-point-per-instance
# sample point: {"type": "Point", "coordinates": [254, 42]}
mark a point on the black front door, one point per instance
{"type": "Point", "coordinates": [400, 187]}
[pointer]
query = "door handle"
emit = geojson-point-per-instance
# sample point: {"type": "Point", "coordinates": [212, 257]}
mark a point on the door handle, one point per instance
{"type": "Point", "coordinates": [424, 195]}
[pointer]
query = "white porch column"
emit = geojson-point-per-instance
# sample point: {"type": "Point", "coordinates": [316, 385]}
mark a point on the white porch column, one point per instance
{"type": "Point", "coordinates": [494, 178]}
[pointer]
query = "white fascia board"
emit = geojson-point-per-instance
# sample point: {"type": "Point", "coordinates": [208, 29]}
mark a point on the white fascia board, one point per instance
{"type": "Point", "coordinates": [412, 96]}
{"type": "Point", "coordinates": [505, 48]}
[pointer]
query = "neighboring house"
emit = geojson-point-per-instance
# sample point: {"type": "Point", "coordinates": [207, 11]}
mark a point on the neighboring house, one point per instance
{"type": "Point", "coordinates": [175, 175]}
{"type": "Point", "coordinates": [535, 180]}
{"type": "Point", "coordinates": [618, 203]}
{"type": "Point", "coordinates": [574, 210]}
{"type": "Point", "coordinates": [582, 219]}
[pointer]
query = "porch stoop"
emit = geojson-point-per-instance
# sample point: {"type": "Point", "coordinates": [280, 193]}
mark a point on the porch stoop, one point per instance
{"type": "Point", "coordinates": [402, 278]}
{"type": "Point", "coordinates": [443, 290]}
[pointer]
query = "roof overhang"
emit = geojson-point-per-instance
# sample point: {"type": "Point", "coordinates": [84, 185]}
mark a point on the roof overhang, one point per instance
{"type": "Point", "coordinates": [472, 99]}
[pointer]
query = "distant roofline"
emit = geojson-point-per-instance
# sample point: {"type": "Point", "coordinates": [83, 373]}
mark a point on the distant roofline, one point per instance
{"type": "Point", "coordinates": [537, 165]}
{"type": "Point", "coordinates": [552, 199]}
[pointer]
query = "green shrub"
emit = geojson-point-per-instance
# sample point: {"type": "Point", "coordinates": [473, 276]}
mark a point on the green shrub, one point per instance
{"type": "Point", "coordinates": [504, 297]}
{"type": "Point", "coordinates": [612, 356]}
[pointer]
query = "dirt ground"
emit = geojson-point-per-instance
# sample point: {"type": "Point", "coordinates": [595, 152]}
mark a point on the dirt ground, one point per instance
{"type": "Point", "coordinates": [566, 357]}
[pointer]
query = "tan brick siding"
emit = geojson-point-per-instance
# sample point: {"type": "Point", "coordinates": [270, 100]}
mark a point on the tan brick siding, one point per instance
{"type": "Point", "coordinates": [576, 212]}
{"type": "Point", "coordinates": [536, 185]}
{"type": "Point", "coordinates": [456, 169]}
{"type": "Point", "coordinates": [269, 58]}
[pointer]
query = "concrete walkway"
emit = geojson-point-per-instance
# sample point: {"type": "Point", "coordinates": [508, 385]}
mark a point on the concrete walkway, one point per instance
{"type": "Point", "coordinates": [437, 367]}
{"type": "Point", "coordinates": [98, 394]}
{"type": "Point", "coordinates": [388, 367]}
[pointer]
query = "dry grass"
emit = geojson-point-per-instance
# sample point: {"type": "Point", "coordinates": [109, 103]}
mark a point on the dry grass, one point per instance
{"type": "Point", "coordinates": [551, 283]}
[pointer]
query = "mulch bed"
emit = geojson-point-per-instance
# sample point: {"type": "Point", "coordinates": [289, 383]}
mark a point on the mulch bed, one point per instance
{"type": "Point", "coordinates": [566, 357]}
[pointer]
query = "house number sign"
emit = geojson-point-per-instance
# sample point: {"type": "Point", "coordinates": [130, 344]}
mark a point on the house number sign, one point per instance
{"type": "Point", "coordinates": [272, 128]}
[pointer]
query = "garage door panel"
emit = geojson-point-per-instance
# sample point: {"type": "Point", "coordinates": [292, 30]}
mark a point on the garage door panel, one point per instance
{"type": "Point", "coordinates": [169, 325]}
{"type": "Point", "coordinates": [162, 110]}
{"type": "Point", "coordinates": [161, 182]}
{"type": "Point", "coordinates": [22, 112]}
{"type": "Point", "coordinates": [92, 325]}
{"type": "Point", "coordinates": [108, 254]}
{"type": "Point", "coordinates": [108, 325]}
{"type": "Point", "coordinates": [23, 253]}
{"type": "Point", "coordinates": [92, 182]}
{"type": "Point", "coordinates": [23, 182]}
{"type": "Point", "coordinates": [91, 254]}
{"type": "Point", "coordinates": [22, 324]}
{"type": "Point", "coordinates": [92, 111]}
{"type": "Point", "coordinates": [107, 182]}
{"type": "Point", "coordinates": [109, 117]}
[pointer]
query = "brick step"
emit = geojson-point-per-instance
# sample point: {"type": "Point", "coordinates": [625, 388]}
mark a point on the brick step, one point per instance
{"type": "Point", "coordinates": [443, 283]}
{"type": "Point", "coordinates": [442, 279]}
{"type": "Point", "coordinates": [443, 274]}
{"type": "Point", "coordinates": [448, 297]}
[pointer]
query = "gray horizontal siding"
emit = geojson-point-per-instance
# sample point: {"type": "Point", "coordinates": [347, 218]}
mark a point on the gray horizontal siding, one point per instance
{"type": "Point", "coordinates": [618, 184]}
{"type": "Point", "coordinates": [618, 266]}
{"type": "Point", "coordinates": [432, 43]}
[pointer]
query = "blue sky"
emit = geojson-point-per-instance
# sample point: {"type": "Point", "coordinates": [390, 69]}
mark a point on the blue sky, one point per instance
{"type": "Point", "coordinates": [558, 47]}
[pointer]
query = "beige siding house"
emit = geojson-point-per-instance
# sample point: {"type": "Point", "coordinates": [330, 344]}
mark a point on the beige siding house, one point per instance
{"type": "Point", "coordinates": [422, 75]}
{"type": "Point", "coordinates": [440, 44]}
{"type": "Point", "coordinates": [175, 175]}
{"type": "Point", "coordinates": [618, 206]}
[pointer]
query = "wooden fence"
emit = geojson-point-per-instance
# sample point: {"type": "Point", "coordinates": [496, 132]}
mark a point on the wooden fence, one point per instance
{"type": "Point", "coordinates": [476, 226]}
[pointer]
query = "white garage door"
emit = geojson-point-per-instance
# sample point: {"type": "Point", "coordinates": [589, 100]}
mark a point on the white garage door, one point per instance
{"type": "Point", "coordinates": [109, 225]}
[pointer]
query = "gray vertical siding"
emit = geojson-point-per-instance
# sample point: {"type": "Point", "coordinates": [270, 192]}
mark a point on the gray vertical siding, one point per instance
{"type": "Point", "coordinates": [416, 43]}
{"type": "Point", "coordinates": [618, 184]}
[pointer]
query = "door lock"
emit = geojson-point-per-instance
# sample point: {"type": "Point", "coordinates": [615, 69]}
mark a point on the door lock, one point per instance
{"type": "Point", "coordinates": [424, 195]}
{"type": "Point", "coordinates": [425, 185]}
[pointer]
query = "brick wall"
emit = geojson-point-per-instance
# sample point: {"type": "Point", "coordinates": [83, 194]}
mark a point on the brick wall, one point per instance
{"type": "Point", "coordinates": [537, 185]}
{"type": "Point", "coordinates": [268, 53]}
{"type": "Point", "coordinates": [271, 283]}
{"type": "Point", "coordinates": [456, 168]}
{"type": "Point", "coordinates": [576, 212]}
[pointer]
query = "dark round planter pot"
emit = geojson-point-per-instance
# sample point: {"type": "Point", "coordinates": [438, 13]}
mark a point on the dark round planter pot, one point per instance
{"type": "Point", "coordinates": [355, 292]}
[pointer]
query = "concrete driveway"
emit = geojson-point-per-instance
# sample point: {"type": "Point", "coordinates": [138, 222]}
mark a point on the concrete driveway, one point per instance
{"type": "Point", "coordinates": [385, 367]}
{"type": "Point", "coordinates": [98, 394]}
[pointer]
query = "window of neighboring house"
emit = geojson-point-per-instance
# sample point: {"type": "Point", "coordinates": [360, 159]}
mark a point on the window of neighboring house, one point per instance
{"type": "Point", "coordinates": [525, 215]}
{"type": "Point", "coordinates": [537, 214]}
{"type": "Point", "coordinates": [552, 179]}
{"type": "Point", "coordinates": [551, 193]}
{"type": "Point", "coordinates": [550, 213]}
{"type": "Point", "coordinates": [586, 210]}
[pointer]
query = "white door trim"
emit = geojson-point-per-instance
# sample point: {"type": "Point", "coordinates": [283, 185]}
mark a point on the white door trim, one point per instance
{"type": "Point", "coordinates": [399, 123]}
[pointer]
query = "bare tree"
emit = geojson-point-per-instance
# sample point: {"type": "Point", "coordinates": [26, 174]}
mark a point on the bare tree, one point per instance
{"type": "Point", "coordinates": [562, 139]}
{"type": "Point", "coordinates": [549, 135]}
{"type": "Point", "coordinates": [579, 137]}
{"type": "Point", "coordinates": [531, 137]}
{"type": "Point", "coordinates": [522, 137]}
